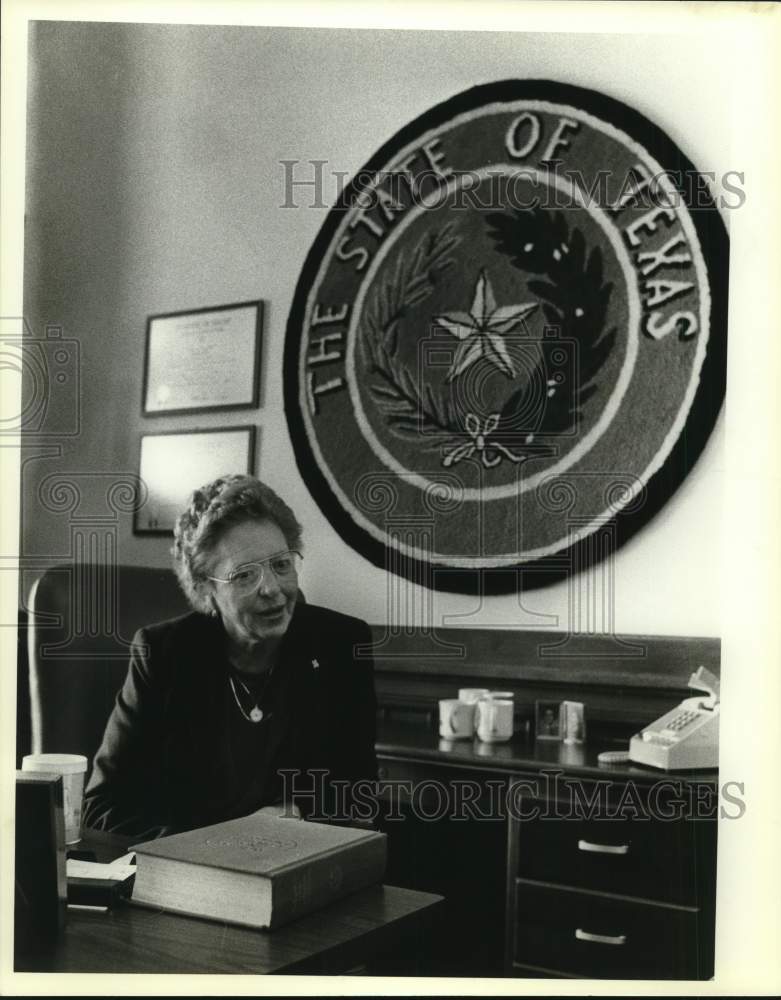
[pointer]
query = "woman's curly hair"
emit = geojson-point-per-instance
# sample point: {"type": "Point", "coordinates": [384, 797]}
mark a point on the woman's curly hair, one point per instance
{"type": "Point", "coordinates": [211, 510]}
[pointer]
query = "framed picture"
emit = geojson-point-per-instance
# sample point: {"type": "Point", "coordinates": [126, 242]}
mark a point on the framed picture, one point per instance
{"type": "Point", "coordinates": [207, 359]}
{"type": "Point", "coordinates": [173, 464]}
{"type": "Point", "coordinates": [547, 720]}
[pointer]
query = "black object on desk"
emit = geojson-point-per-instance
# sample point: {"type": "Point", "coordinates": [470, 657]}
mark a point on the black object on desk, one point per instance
{"type": "Point", "coordinates": [39, 876]}
{"type": "Point", "coordinates": [83, 891]}
{"type": "Point", "coordinates": [94, 891]}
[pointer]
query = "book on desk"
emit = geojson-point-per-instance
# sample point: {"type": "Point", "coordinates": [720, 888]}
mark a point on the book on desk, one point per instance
{"type": "Point", "coordinates": [257, 871]}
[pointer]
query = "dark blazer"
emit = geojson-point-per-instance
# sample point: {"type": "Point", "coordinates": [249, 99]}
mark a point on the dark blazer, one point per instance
{"type": "Point", "coordinates": [168, 757]}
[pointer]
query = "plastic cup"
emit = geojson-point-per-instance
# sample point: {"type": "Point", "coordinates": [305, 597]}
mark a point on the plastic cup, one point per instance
{"type": "Point", "coordinates": [72, 767]}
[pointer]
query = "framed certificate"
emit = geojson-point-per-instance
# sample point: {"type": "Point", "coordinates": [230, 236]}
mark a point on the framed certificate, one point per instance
{"type": "Point", "coordinates": [208, 359]}
{"type": "Point", "coordinates": [173, 464]}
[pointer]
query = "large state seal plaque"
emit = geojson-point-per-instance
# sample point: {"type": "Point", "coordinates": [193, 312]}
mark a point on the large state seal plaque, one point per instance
{"type": "Point", "coordinates": [507, 346]}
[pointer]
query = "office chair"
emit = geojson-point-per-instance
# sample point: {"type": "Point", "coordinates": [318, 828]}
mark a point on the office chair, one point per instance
{"type": "Point", "coordinates": [82, 620]}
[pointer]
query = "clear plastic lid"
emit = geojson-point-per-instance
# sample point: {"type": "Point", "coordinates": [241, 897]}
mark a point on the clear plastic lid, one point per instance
{"type": "Point", "coordinates": [61, 763]}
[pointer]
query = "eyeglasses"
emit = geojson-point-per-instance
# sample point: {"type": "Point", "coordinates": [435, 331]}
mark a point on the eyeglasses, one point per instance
{"type": "Point", "coordinates": [247, 578]}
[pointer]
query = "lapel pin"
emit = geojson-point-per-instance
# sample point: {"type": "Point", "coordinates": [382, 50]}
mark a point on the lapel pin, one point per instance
{"type": "Point", "coordinates": [315, 664]}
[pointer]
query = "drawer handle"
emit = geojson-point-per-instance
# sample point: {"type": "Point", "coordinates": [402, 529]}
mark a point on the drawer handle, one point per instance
{"type": "Point", "coordinates": [586, 845]}
{"type": "Point", "coordinates": [600, 938]}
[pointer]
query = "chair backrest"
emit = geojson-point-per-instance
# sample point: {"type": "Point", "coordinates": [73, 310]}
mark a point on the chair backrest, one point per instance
{"type": "Point", "coordinates": [82, 620]}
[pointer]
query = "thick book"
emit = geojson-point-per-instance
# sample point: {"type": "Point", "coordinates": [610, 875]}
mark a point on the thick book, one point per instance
{"type": "Point", "coordinates": [258, 871]}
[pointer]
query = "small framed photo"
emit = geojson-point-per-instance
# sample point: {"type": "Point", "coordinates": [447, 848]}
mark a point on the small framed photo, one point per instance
{"type": "Point", "coordinates": [206, 359]}
{"type": "Point", "coordinates": [173, 464]}
{"type": "Point", "coordinates": [547, 720]}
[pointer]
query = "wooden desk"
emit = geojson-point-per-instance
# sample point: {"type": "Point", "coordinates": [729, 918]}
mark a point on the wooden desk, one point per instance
{"type": "Point", "coordinates": [642, 887]}
{"type": "Point", "coordinates": [354, 932]}
{"type": "Point", "coordinates": [378, 929]}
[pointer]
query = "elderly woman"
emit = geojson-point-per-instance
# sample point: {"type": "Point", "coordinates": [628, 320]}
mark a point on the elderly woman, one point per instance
{"type": "Point", "coordinates": [254, 698]}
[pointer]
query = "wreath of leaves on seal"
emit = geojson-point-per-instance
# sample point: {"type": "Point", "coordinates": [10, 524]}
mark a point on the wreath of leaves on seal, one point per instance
{"type": "Point", "coordinates": [574, 299]}
{"type": "Point", "coordinates": [411, 410]}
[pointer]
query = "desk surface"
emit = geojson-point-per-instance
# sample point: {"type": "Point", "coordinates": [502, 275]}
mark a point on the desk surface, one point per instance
{"type": "Point", "coordinates": [418, 742]}
{"type": "Point", "coordinates": [330, 941]}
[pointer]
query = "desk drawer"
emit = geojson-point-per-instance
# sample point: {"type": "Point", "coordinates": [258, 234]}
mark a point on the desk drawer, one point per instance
{"type": "Point", "coordinates": [605, 937]}
{"type": "Point", "coordinates": [647, 858]}
{"type": "Point", "coordinates": [389, 769]}
{"type": "Point", "coordinates": [460, 791]}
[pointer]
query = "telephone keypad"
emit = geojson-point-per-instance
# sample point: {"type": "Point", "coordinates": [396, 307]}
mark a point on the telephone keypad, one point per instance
{"type": "Point", "coordinates": [680, 721]}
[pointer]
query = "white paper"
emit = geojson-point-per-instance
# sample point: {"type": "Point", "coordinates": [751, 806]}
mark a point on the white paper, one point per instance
{"type": "Point", "coordinates": [113, 871]}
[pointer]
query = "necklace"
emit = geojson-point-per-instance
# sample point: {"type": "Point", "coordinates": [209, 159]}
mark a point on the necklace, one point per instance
{"type": "Point", "coordinates": [256, 713]}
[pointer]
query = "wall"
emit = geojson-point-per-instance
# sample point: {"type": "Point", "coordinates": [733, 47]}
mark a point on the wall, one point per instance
{"type": "Point", "coordinates": [155, 184]}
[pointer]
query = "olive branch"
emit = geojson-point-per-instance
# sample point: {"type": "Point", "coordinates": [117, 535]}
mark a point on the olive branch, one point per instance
{"type": "Point", "coordinates": [411, 410]}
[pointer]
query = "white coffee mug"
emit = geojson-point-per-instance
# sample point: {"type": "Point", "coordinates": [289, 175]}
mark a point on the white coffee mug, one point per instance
{"type": "Point", "coordinates": [471, 695]}
{"type": "Point", "coordinates": [494, 720]}
{"type": "Point", "coordinates": [456, 719]}
{"type": "Point", "coordinates": [72, 767]}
